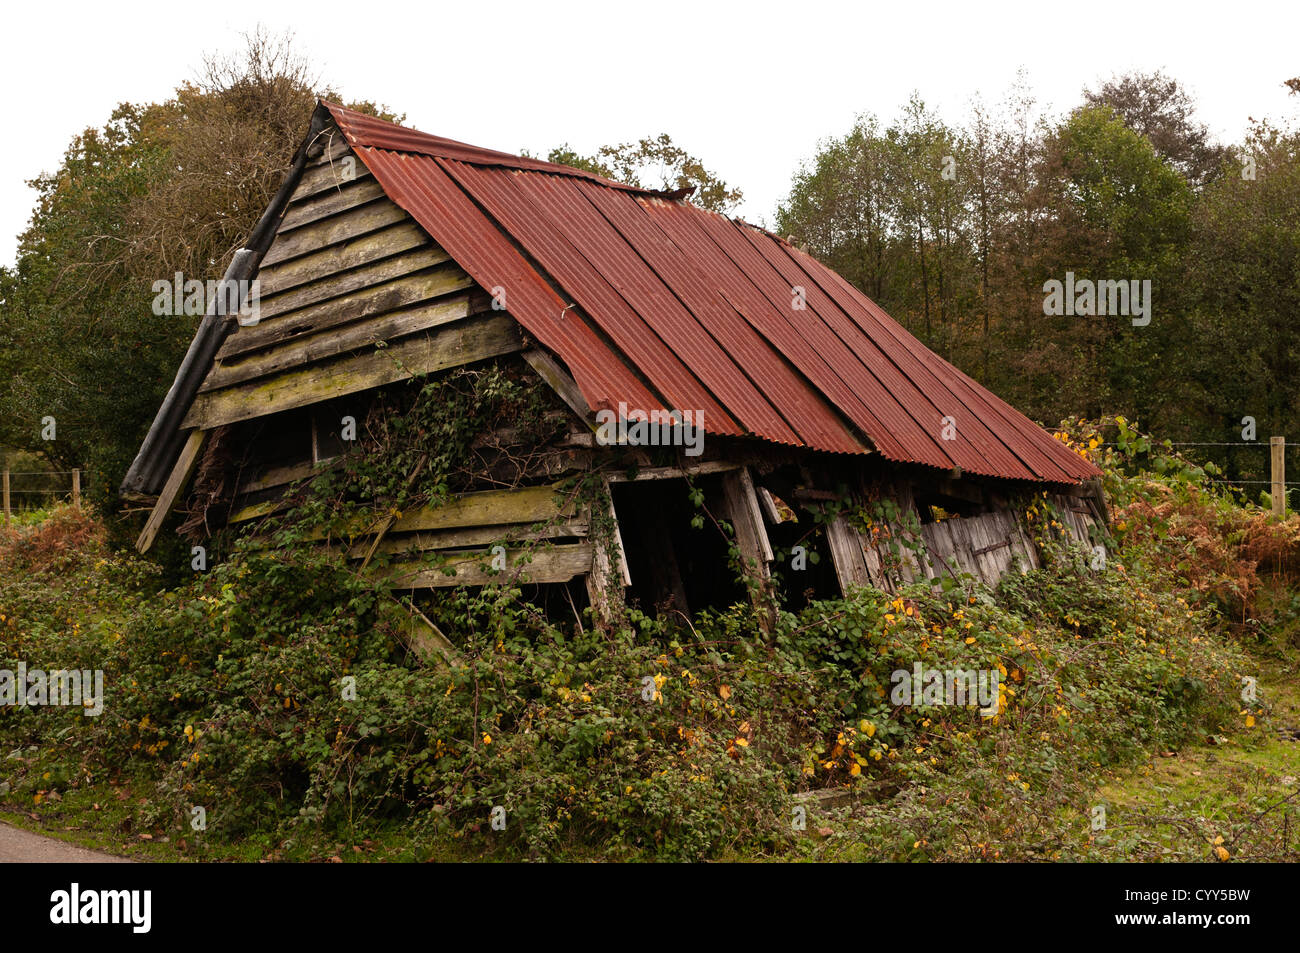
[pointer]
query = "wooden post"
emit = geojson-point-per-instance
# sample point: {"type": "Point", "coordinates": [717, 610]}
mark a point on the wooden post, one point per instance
{"type": "Point", "coordinates": [6, 492]}
{"type": "Point", "coordinates": [176, 482]}
{"type": "Point", "coordinates": [1277, 449]}
{"type": "Point", "coordinates": [602, 563]}
{"type": "Point", "coordinates": [76, 487]}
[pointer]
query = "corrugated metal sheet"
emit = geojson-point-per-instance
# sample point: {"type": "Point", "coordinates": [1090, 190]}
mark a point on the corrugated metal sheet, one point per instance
{"type": "Point", "coordinates": [658, 304]}
{"type": "Point", "coordinates": [362, 130]}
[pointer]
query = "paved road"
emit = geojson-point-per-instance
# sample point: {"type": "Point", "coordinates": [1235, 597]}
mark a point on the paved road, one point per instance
{"type": "Point", "coordinates": [19, 846]}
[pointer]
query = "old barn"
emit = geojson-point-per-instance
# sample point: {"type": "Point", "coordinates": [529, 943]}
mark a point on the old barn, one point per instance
{"type": "Point", "coordinates": [689, 357]}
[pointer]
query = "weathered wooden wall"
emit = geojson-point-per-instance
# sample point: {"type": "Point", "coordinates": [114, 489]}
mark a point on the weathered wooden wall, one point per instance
{"type": "Point", "coordinates": [986, 546]}
{"type": "Point", "coordinates": [353, 295]}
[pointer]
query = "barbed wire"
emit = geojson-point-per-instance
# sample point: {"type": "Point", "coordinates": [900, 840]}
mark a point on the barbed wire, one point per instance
{"type": "Point", "coordinates": [1250, 482]}
{"type": "Point", "coordinates": [1195, 443]}
{"type": "Point", "coordinates": [48, 472]}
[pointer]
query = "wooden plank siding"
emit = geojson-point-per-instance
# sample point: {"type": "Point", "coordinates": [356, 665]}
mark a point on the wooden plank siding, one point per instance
{"type": "Point", "coordinates": [353, 295]}
{"type": "Point", "coordinates": [986, 546]}
{"type": "Point", "coordinates": [545, 565]}
{"type": "Point", "coordinates": [544, 532]}
{"type": "Point", "coordinates": [454, 345]}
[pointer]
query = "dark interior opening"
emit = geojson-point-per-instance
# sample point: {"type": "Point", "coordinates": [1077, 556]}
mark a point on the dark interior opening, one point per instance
{"type": "Point", "coordinates": [934, 506]}
{"type": "Point", "coordinates": [809, 575]}
{"type": "Point", "coordinates": [559, 603]}
{"type": "Point", "coordinates": [674, 565]}
{"type": "Point", "coordinates": [327, 421]}
{"type": "Point", "coordinates": [277, 440]}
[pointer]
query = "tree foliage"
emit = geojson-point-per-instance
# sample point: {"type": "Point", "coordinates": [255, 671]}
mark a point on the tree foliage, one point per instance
{"type": "Point", "coordinates": [955, 230]}
{"type": "Point", "coordinates": [654, 163]}
{"type": "Point", "coordinates": [160, 188]}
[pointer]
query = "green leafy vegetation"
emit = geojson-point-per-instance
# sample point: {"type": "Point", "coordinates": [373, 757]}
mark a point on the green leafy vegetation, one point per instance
{"type": "Point", "coordinates": [649, 739]}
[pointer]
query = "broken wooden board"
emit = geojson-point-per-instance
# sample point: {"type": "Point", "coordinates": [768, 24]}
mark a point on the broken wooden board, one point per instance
{"type": "Point", "coordinates": [172, 489]}
{"type": "Point", "coordinates": [471, 537]}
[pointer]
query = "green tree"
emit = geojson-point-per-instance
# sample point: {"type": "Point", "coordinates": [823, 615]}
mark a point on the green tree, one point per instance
{"type": "Point", "coordinates": [160, 188]}
{"type": "Point", "coordinates": [654, 163]}
{"type": "Point", "coordinates": [1244, 269]}
{"type": "Point", "coordinates": [1119, 212]}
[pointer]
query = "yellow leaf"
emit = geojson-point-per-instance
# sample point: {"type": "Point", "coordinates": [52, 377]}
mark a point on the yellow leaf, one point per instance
{"type": "Point", "coordinates": [1221, 853]}
{"type": "Point", "coordinates": [854, 769]}
{"type": "Point", "coordinates": [1250, 721]}
{"type": "Point", "coordinates": [724, 691]}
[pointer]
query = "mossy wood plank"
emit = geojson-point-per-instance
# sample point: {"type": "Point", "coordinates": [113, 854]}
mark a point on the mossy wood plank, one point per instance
{"type": "Point", "coordinates": [300, 213]}
{"type": "Point", "coordinates": [334, 286]}
{"type": "Point", "coordinates": [343, 227]}
{"type": "Point", "coordinates": [401, 292]}
{"type": "Point", "coordinates": [495, 510]}
{"type": "Point", "coordinates": [255, 511]}
{"type": "Point", "coordinates": [393, 240]}
{"type": "Point", "coordinates": [318, 347]}
{"type": "Point", "coordinates": [547, 565]}
{"type": "Point", "coordinates": [528, 504]}
{"type": "Point", "coordinates": [459, 343]}
{"type": "Point", "coordinates": [471, 536]}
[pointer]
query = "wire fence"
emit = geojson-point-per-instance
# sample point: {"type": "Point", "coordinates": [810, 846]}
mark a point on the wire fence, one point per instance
{"type": "Point", "coordinates": [23, 491]}
{"type": "Point", "coordinates": [1277, 447]}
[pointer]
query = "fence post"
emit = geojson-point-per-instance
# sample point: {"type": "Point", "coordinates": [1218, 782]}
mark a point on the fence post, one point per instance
{"type": "Point", "coordinates": [76, 487]}
{"type": "Point", "coordinates": [6, 493]}
{"type": "Point", "coordinates": [1277, 450]}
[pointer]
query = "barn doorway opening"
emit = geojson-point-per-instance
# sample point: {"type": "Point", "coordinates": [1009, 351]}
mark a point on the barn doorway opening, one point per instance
{"type": "Point", "coordinates": [804, 564]}
{"type": "Point", "coordinates": [675, 565]}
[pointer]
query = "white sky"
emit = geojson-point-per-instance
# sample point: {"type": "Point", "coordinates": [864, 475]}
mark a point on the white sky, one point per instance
{"type": "Point", "coordinates": [748, 87]}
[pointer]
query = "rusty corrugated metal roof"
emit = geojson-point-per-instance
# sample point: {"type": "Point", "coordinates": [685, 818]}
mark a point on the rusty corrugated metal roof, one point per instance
{"type": "Point", "coordinates": [658, 304]}
{"type": "Point", "coordinates": [360, 129]}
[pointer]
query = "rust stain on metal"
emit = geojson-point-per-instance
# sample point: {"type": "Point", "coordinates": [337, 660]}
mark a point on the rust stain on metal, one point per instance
{"type": "Point", "coordinates": [656, 304]}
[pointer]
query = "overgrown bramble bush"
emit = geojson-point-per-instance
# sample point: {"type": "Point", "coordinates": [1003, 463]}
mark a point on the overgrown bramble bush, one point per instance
{"type": "Point", "coordinates": [1178, 526]}
{"type": "Point", "coordinates": [650, 739]}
